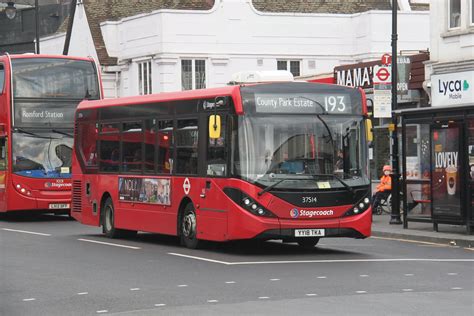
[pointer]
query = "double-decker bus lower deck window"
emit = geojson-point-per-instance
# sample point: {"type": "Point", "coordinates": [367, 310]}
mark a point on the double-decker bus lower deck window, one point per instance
{"type": "Point", "coordinates": [187, 146]}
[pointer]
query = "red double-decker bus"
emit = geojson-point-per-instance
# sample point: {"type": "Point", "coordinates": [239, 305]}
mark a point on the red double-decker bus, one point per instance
{"type": "Point", "coordinates": [38, 97]}
{"type": "Point", "coordinates": [282, 160]}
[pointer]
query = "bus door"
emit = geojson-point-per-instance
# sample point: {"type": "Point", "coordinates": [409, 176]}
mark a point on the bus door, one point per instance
{"type": "Point", "coordinates": [213, 208]}
{"type": "Point", "coordinates": [3, 171]}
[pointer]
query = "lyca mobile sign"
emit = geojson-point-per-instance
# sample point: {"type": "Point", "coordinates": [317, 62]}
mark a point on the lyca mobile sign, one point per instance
{"type": "Point", "coordinates": [452, 89]}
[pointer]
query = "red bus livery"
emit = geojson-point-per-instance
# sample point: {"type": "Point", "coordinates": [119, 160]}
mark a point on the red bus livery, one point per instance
{"type": "Point", "coordinates": [282, 160]}
{"type": "Point", "coordinates": [38, 97]}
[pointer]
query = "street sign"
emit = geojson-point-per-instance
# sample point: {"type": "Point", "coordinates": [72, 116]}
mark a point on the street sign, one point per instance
{"type": "Point", "coordinates": [386, 59]}
{"type": "Point", "coordinates": [382, 92]}
{"type": "Point", "coordinates": [382, 75]}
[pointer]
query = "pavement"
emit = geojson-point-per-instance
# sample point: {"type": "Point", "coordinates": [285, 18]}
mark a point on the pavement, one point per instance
{"type": "Point", "coordinates": [454, 235]}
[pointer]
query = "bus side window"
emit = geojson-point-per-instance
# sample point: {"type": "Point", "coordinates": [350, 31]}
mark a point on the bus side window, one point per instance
{"type": "Point", "coordinates": [3, 154]}
{"type": "Point", "coordinates": [216, 153]}
{"type": "Point", "coordinates": [165, 146]}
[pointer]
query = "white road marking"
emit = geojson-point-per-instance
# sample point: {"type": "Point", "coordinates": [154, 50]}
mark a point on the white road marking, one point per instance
{"type": "Point", "coordinates": [322, 261]}
{"type": "Point", "coordinates": [102, 311]}
{"type": "Point", "coordinates": [135, 289]}
{"type": "Point", "coordinates": [212, 301]}
{"type": "Point", "coordinates": [322, 277]}
{"type": "Point", "coordinates": [311, 294]}
{"type": "Point", "coordinates": [274, 279]}
{"type": "Point", "coordinates": [456, 288]}
{"type": "Point", "coordinates": [109, 244]}
{"type": "Point", "coordinates": [197, 258]}
{"type": "Point", "coordinates": [452, 273]}
{"type": "Point", "coordinates": [29, 299]}
{"type": "Point", "coordinates": [472, 249]}
{"type": "Point", "coordinates": [409, 274]}
{"type": "Point", "coordinates": [83, 293]}
{"type": "Point", "coordinates": [407, 290]}
{"type": "Point", "coordinates": [263, 297]}
{"type": "Point", "coordinates": [182, 285]}
{"type": "Point", "coordinates": [230, 282]}
{"type": "Point", "coordinates": [361, 292]}
{"type": "Point", "coordinates": [364, 275]}
{"type": "Point", "coordinates": [410, 241]}
{"type": "Point", "coordinates": [25, 232]}
{"type": "Point", "coordinates": [160, 305]}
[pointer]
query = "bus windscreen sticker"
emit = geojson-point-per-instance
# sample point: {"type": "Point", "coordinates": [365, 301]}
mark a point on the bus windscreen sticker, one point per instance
{"type": "Point", "coordinates": [303, 103]}
{"type": "Point", "coordinates": [145, 190]}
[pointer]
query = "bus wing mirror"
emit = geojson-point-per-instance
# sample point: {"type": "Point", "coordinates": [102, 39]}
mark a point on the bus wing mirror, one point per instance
{"type": "Point", "coordinates": [214, 126]}
{"type": "Point", "coordinates": [368, 128]}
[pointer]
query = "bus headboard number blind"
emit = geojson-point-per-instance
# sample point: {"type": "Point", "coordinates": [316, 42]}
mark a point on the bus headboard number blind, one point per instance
{"type": "Point", "coordinates": [303, 103]}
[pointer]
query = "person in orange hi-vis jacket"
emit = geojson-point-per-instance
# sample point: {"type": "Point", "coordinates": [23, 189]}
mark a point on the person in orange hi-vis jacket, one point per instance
{"type": "Point", "coordinates": [383, 188]}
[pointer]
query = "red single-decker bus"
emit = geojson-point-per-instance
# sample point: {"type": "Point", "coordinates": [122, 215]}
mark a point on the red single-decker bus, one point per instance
{"type": "Point", "coordinates": [282, 160]}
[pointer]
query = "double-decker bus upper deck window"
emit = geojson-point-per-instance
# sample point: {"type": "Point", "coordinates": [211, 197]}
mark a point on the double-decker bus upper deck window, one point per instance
{"type": "Point", "coordinates": [54, 78]}
{"type": "Point", "coordinates": [187, 146]}
{"type": "Point", "coordinates": [165, 146]}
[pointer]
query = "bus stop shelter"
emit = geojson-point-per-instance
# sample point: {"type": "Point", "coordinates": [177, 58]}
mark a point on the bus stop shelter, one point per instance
{"type": "Point", "coordinates": [438, 165]}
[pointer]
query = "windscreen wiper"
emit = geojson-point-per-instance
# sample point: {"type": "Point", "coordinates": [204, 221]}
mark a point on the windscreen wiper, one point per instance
{"type": "Point", "coordinates": [325, 112]}
{"type": "Point", "coordinates": [335, 176]}
{"type": "Point", "coordinates": [277, 183]}
{"type": "Point", "coordinates": [62, 133]}
{"type": "Point", "coordinates": [21, 130]}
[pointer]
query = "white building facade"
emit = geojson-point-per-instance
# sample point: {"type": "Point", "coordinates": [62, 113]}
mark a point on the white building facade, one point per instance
{"type": "Point", "coordinates": [450, 71]}
{"type": "Point", "coordinates": [170, 50]}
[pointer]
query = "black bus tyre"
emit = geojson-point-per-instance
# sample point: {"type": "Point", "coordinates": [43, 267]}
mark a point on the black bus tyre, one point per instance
{"type": "Point", "coordinates": [308, 243]}
{"type": "Point", "coordinates": [108, 225]}
{"type": "Point", "coordinates": [188, 228]}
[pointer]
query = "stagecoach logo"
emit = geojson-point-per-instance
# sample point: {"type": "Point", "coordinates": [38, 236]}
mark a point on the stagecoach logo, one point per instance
{"type": "Point", "coordinates": [57, 184]}
{"type": "Point", "coordinates": [186, 186]}
{"type": "Point", "coordinates": [294, 213]}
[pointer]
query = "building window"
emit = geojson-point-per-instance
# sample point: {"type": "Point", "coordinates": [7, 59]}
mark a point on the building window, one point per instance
{"type": "Point", "coordinates": [291, 65]}
{"type": "Point", "coordinates": [472, 11]}
{"type": "Point", "coordinates": [193, 74]}
{"type": "Point", "coordinates": [454, 14]}
{"type": "Point", "coordinates": [144, 78]}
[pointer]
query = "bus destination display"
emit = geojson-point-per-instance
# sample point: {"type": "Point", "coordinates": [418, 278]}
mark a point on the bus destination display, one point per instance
{"type": "Point", "coordinates": [303, 103]}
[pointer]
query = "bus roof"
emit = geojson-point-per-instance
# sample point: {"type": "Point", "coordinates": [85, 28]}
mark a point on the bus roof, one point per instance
{"type": "Point", "coordinates": [30, 55]}
{"type": "Point", "coordinates": [162, 97]}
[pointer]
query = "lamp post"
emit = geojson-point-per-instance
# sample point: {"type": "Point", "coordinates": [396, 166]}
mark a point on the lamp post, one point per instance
{"type": "Point", "coordinates": [37, 27]}
{"type": "Point", "coordinates": [395, 214]}
{"type": "Point", "coordinates": [10, 10]}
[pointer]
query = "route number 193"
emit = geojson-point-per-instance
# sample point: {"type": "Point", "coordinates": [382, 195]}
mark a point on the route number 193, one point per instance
{"type": "Point", "coordinates": [334, 103]}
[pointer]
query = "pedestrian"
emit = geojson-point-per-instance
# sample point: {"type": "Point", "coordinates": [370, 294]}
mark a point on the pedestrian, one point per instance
{"type": "Point", "coordinates": [383, 189]}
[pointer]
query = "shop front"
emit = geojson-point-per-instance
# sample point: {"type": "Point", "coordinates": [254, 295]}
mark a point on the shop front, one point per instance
{"type": "Point", "coordinates": [438, 156]}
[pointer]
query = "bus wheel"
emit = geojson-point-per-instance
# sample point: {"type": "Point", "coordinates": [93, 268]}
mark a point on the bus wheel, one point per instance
{"type": "Point", "coordinates": [308, 243]}
{"type": "Point", "coordinates": [108, 226]}
{"type": "Point", "coordinates": [188, 228]}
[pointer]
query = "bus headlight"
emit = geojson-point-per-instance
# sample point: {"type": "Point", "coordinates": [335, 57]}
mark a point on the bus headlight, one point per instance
{"type": "Point", "coordinates": [23, 189]}
{"type": "Point", "coordinates": [247, 203]}
{"type": "Point", "coordinates": [359, 207]}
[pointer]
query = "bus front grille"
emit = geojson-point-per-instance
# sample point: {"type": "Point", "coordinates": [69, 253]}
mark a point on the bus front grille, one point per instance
{"type": "Point", "coordinates": [76, 196]}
